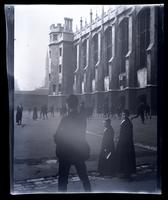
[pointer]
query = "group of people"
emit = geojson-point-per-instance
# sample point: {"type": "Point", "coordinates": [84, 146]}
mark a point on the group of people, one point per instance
{"type": "Point", "coordinates": [143, 111]}
{"type": "Point", "coordinates": [119, 161]}
{"type": "Point", "coordinates": [72, 147]}
{"type": "Point", "coordinates": [43, 112]}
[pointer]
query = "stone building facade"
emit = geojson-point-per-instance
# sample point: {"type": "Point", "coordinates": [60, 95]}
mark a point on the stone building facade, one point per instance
{"type": "Point", "coordinates": [112, 60]}
{"type": "Point", "coordinates": [61, 59]}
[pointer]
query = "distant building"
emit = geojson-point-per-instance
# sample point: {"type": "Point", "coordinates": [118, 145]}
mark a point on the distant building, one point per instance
{"type": "Point", "coordinates": [113, 59]}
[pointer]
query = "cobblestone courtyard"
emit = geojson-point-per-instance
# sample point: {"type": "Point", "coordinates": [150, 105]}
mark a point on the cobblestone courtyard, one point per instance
{"type": "Point", "coordinates": [35, 164]}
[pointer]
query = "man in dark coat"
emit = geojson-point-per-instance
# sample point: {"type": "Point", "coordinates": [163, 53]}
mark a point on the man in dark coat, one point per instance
{"type": "Point", "coordinates": [107, 155]}
{"type": "Point", "coordinates": [125, 152]}
{"type": "Point", "coordinates": [35, 115]}
{"type": "Point", "coordinates": [140, 112]}
{"type": "Point", "coordinates": [71, 146]}
{"type": "Point", "coordinates": [19, 114]}
{"type": "Point", "coordinates": [147, 111]}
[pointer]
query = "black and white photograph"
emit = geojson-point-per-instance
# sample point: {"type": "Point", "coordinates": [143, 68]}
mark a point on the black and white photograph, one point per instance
{"type": "Point", "coordinates": [83, 105]}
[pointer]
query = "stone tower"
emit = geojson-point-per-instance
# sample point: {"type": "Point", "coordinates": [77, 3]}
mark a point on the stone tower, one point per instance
{"type": "Point", "coordinates": [61, 58]}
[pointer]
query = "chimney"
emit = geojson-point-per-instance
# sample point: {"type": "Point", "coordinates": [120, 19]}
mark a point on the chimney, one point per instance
{"type": "Point", "coordinates": [68, 24]}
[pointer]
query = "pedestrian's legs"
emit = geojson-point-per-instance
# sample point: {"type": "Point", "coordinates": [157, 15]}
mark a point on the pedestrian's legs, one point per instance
{"type": "Point", "coordinates": [142, 118]}
{"type": "Point", "coordinates": [82, 172]}
{"type": "Point", "coordinates": [63, 172]}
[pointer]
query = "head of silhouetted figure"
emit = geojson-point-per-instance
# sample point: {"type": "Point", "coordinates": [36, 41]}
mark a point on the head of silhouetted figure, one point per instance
{"type": "Point", "coordinates": [107, 122]}
{"type": "Point", "coordinates": [125, 113]}
{"type": "Point", "coordinates": [72, 102]}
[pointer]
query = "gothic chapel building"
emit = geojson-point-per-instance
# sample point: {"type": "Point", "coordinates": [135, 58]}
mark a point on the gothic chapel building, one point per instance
{"type": "Point", "coordinates": [111, 60]}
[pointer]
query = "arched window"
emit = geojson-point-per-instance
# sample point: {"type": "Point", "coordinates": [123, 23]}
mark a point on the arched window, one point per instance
{"type": "Point", "coordinates": [54, 88]}
{"type": "Point", "coordinates": [84, 49]}
{"type": "Point", "coordinates": [143, 36]}
{"type": "Point", "coordinates": [123, 43]}
{"type": "Point", "coordinates": [95, 49]}
{"type": "Point", "coordinates": [75, 56]}
{"type": "Point", "coordinates": [108, 49]}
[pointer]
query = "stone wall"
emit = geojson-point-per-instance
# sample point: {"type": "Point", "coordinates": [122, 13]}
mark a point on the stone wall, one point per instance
{"type": "Point", "coordinates": [30, 100]}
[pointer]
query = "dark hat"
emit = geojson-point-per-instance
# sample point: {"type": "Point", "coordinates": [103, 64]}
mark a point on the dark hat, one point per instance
{"type": "Point", "coordinates": [72, 101]}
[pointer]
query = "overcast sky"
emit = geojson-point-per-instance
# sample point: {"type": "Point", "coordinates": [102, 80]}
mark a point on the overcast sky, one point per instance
{"type": "Point", "coordinates": [32, 24]}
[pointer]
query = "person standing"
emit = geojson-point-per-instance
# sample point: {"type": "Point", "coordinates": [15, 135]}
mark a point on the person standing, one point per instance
{"type": "Point", "coordinates": [19, 114]}
{"type": "Point", "coordinates": [45, 111]}
{"type": "Point", "coordinates": [35, 116]}
{"type": "Point", "coordinates": [71, 146]}
{"type": "Point", "coordinates": [107, 153]}
{"type": "Point", "coordinates": [125, 151]}
{"type": "Point", "coordinates": [52, 110]}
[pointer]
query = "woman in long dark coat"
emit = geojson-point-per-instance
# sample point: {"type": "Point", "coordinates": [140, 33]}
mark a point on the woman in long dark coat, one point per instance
{"type": "Point", "coordinates": [125, 151]}
{"type": "Point", "coordinates": [106, 162]}
{"type": "Point", "coordinates": [19, 114]}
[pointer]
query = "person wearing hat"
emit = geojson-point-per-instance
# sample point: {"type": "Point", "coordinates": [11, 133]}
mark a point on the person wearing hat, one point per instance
{"type": "Point", "coordinates": [125, 151]}
{"type": "Point", "coordinates": [71, 146]}
{"type": "Point", "coordinates": [106, 162]}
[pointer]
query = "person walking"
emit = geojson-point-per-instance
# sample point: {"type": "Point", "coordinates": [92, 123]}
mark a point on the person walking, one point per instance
{"type": "Point", "coordinates": [140, 112]}
{"type": "Point", "coordinates": [19, 114]}
{"type": "Point", "coordinates": [45, 112]}
{"type": "Point", "coordinates": [106, 164]}
{"type": "Point", "coordinates": [125, 151]}
{"type": "Point", "coordinates": [147, 111]}
{"type": "Point", "coordinates": [71, 146]}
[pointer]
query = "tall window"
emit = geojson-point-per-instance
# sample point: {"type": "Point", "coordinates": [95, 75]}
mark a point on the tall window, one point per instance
{"type": "Point", "coordinates": [84, 49]}
{"type": "Point", "coordinates": [123, 43]}
{"type": "Point", "coordinates": [55, 37]}
{"type": "Point", "coordinates": [93, 73]}
{"type": "Point", "coordinates": [54, 88]}
{"type": "Point", "coordinates": [49, 53]}
{"type": "Point", "coordinates": [144, 36]}
{"type": "Point", "coordinates": [59, 87]}
{"type": "Point", "coordinates": [75, 54]}
{"type": "Point", "coordinates": [95, 49]}
{"type": "Point", "coordinates": [108, 49]}
{"type": "Point", "coordinates": [60, 51]}
{"type": "Point", "coordinates": [60, 68]}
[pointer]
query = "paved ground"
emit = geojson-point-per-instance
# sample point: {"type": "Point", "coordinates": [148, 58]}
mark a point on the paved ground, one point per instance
{"type": "Point", "coordinates": [35, 163]}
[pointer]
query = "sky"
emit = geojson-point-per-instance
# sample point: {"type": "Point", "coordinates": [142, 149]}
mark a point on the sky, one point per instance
{"type": "Point", "coordinates": [31, 35]}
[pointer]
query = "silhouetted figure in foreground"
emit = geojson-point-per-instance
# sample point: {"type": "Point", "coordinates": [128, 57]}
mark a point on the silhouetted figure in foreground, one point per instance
{"type": "Point", "coordinates": [125, 151]}
{"type": "Point", "coordinates": [19, 114]}
{"type": "Point", "coordinates": [140, 112]}
{"type": "Point", "coordinates": [35, 116]}
{"type": "Point", "coordinates": [71, 146]}
{"type": "Point", "coordinates": [106, 165]}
